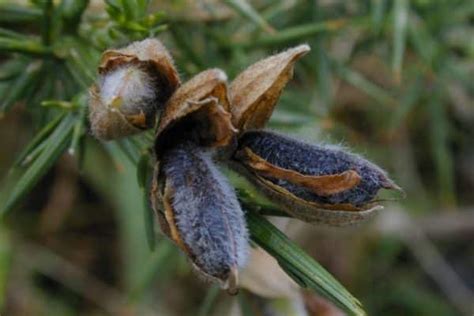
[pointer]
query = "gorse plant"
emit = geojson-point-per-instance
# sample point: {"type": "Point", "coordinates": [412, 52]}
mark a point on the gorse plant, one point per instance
{"type": "Point", "coordinates": [64, 50]}
{"type": "Point", "coordinates": [55, 51]}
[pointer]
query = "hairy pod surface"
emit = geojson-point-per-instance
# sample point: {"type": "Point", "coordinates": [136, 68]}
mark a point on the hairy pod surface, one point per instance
{"type": "Point", "coordinates": [314, 183]}
{"type": "Point", "coordinates": [199, 211]}
{"type": "Point", "coordinates": [197, 111]}
{"type": "Point", "coordinates": [255, 91]}
{"type": "Point", "coordinates": [134, 84]}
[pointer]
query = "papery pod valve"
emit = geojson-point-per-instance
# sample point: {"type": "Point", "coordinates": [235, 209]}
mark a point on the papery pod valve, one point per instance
{"type": "Point", "coordinates": [134, 84]}
{"type": "Point", "coordinates": [256, 90]}
{"type": "Point", "coordinates": [197, 111]}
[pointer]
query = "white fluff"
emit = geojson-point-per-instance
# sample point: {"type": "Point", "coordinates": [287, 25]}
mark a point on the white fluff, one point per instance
{"type": "Point", "coordinates": [126, 87]}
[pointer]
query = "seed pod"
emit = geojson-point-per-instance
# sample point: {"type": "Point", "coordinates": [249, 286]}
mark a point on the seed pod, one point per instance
{"type": "Point", "coordinates": [199, 211]}
{"type": "Point", "coordinates": [256, 90]}
{"type": "Point", "coordinates": [134, 84]}
{"type": "Point", "coordinates": [198, 111]}
{"type": "Point", "coordinates": [314, 183]}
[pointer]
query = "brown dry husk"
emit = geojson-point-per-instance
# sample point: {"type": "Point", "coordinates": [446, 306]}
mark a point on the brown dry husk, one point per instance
{"type": "Point", "coordinates": [152, 57]}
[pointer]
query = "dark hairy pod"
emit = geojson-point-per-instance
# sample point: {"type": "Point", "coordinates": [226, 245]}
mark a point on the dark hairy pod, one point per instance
{"type": "Point", "coordinates": [134, 84]}
{"type": "Point", "coordinates": [199, 211]}
{"type": "Point", "coordinates": [315, 183]}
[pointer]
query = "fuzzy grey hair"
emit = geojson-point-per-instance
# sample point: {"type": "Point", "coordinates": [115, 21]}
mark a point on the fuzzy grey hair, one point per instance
{"type": "Point", "coordinates": [207, 212]}
{"type": "Point", "coordinates": [310, 159]}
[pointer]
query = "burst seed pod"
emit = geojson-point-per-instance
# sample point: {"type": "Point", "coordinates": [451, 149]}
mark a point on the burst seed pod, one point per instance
{"type": "Point", "coordinates": [197, 111]}
{"type": "Point", "coordinates": [255, 91]}
{"type": "Point", "coordinates": [313, 183]}
{"type": "Point", "coordinates": [134, 84]}
{"type": "Point", "coordinates": [199, 211]}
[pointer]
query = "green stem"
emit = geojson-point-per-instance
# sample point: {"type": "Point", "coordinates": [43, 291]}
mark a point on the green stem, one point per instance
{"type": "Point", "coordinates": [24, 46]}
{"type": "Point", "coordinates": [294, 33]}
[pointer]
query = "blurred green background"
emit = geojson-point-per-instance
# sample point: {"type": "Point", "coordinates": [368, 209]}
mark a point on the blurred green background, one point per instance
{"type": "Point", "coordinates": [393, 80]}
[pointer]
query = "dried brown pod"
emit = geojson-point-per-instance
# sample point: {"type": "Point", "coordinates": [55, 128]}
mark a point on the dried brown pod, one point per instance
{"type": "Point", "coordinates": [317, 184]}
{"type": "Point", "coordinates": [134, 84]}
{"type": "Point", "coordinates": [264, 276]}
{"type": "Point", "coordinates": [198, 111]}
{"type": "Point", "coordinates": [255, 91]}
{"type": "Point", "coordinates": [199, 211]}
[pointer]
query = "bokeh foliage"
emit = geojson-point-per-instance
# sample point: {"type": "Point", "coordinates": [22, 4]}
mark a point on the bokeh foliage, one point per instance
{"type": "Point", "coordinates": [390, 78]}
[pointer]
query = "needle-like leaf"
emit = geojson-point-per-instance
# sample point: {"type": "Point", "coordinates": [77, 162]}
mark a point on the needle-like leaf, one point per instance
{"type": "Point", "coordinates": [21, 180]}
{"type": "Point", "coordinates": [400, 13]}
{"type": "Point", "coordinates": [247, 11]}
{"type": "Point", "coordinates": [300, 266]}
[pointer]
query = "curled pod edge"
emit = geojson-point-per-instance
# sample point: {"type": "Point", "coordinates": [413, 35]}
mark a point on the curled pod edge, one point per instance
{"type": "Point", "coordinates": [256, 90]}
{"type": "Point", "coordinates": [317, 184]}
{"type": "Point", "coordinates": [197, 111]}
